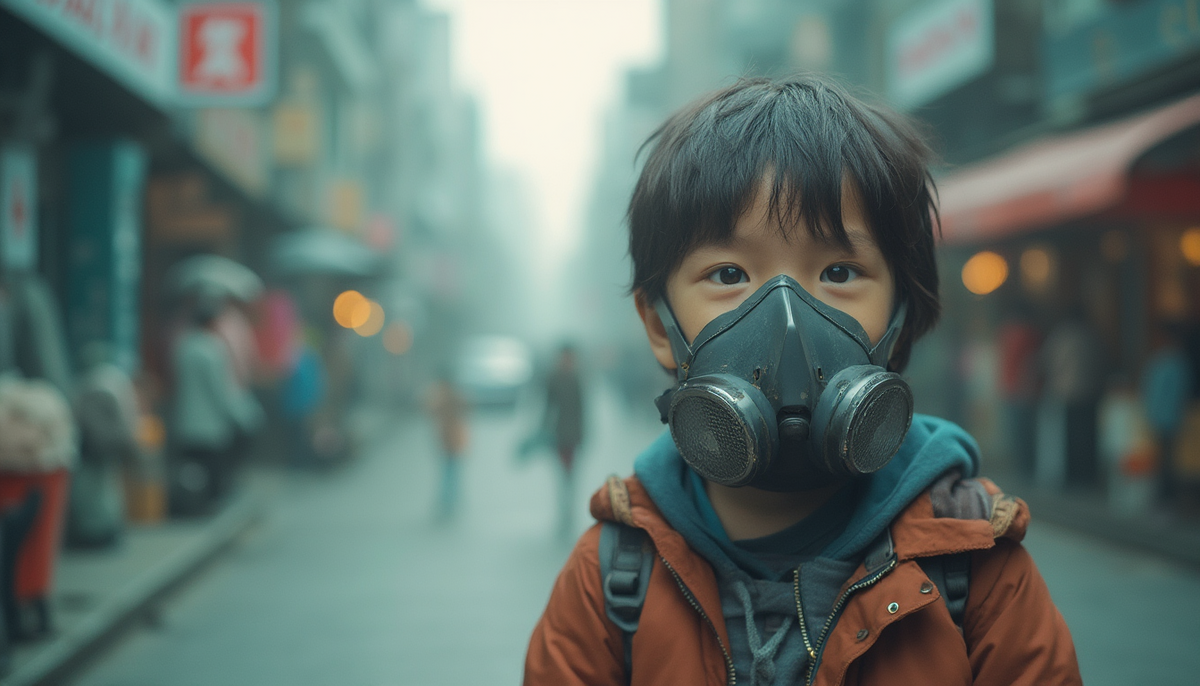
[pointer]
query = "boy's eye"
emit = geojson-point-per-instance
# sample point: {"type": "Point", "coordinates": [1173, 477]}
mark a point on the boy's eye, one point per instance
{"type": "Point", "coordinates": [728, 276]}
{"type": "Point", "coordinates": [839, 273]}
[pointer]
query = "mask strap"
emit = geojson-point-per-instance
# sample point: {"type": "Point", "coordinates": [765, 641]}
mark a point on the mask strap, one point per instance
{"type": "Point", "coordinates": [680, 350]}
{"type": "Point", "coordinates": [882, 352]}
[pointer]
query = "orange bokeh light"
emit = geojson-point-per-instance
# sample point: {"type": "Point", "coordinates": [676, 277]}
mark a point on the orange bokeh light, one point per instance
{"type": "Point", "coordinates": [984, 272]}
{"type": "Point", "coordinates": [374, 323]}
{"type": "Point", "coordinates": [1037, 269]}
{"type": "Point", "coordinates": [351, 309]}
{"type": "Point", "coordinates": [1189, 245]}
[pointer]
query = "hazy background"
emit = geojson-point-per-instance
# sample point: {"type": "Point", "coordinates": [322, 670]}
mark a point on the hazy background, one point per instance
{"type": "Point", "coordinates": [399, 211]}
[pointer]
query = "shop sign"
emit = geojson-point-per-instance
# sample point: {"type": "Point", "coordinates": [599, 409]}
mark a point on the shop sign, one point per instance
{"type": "Point", "coordinates": [178, 209]}
{"type": "Point", "coordinates": [296, 134]}
{"type": "Point", "coordinates": [346, 200]}
{"type": "Point", "coordinates": [226, 53]}
{"type": "Point", "coordinates": [232, 140]}
{"type": "Point", "coordinates": [18, 207]}
{"type": "Point", "coordinates": [937, 48]}
{"type": "Point", "coordinates": [131, 40]}
{"type": "Point", "coordinates": [1122, 42]}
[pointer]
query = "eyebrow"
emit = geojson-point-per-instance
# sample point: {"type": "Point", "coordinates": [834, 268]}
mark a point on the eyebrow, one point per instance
{"type": "Point", "coordinates": [859, 238]}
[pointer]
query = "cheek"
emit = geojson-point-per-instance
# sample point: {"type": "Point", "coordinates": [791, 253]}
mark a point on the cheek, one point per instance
{"type": "Point", "coordinates": [876, 315]}
{"type": "Point", "coordinates": [694, 309]}
{"type": "Point", "coordinates": [692, 317]}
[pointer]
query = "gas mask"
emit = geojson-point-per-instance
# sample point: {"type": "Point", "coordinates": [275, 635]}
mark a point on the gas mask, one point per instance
{"type": "Point", "coordinates": [784, 393]}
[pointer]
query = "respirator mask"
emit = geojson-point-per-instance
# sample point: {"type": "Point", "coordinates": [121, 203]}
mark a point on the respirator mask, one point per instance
{"type": "Point", "coordinates": [784, 393]}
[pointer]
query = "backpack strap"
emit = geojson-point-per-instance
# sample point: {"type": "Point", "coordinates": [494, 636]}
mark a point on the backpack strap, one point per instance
{"type": "Point", "coordinates": [952, 576]}
{"type": "Point", "coordinates": [626, 559]}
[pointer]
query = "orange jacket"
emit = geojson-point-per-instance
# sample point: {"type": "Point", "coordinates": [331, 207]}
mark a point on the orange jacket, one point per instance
{"type": "Point", "coordinates": [1013, 632]}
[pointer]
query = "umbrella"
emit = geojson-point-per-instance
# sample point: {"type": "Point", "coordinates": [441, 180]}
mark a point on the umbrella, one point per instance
{"type": "Point", "coordinates": [323, 251]}
{"type": "Point", "coordinates": [220, 273]}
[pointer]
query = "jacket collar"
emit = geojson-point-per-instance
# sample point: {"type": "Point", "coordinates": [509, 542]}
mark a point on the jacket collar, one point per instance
{"type": "Point", "coordinates": [917, 532]}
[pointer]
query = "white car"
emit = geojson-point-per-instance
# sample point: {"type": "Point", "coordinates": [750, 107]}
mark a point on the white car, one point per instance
{"type": "Point", "coordinates": [493, 370]}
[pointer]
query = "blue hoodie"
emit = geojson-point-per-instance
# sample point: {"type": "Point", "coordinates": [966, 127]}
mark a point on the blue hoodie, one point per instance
{"type": "Point", "coordinates": [759, 607]}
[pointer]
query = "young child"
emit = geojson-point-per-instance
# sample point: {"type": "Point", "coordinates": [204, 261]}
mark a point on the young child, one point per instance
{"type": "Point", "coordinates": [798, 524]}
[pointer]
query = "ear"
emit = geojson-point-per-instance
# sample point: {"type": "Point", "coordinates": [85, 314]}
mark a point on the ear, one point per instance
{"type": "Point", "coordinates": [660, 344]}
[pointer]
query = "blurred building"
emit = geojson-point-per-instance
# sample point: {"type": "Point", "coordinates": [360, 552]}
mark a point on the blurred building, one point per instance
{"type": "Point", "coordinates": [1069, 139]}
{"type": "Point", "coordinates": [118, 159]}
{"type": "Point", "coordinates": [1093, 204]}
{"type": "Point", "coordinates": [612, 330]}
{"type": "Point", "coordinates": [439, 191]}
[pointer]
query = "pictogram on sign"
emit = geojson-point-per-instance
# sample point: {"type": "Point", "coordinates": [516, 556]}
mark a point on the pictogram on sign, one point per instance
{"type": "Point", "coordinates": [226, 53]}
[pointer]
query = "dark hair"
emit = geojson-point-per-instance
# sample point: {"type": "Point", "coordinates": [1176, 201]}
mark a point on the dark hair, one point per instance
{"type": "Point", "coordinates": [707, 161]}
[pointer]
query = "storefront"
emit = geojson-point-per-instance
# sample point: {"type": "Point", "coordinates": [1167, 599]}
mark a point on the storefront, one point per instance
{"type": "Point", "coordinates": [88, 87]}
{"type": "Point", "coordinates": [1073, 257]}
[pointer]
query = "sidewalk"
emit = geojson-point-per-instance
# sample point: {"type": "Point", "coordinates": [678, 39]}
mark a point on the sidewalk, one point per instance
{"type": "Point", "coordinates": [98, 593]}
{"type": "Point", "coordinates": [1172, 537]}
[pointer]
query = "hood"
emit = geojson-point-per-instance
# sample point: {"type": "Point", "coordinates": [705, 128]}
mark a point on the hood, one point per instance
{"type": "Point", "coordinates": [932, 447]}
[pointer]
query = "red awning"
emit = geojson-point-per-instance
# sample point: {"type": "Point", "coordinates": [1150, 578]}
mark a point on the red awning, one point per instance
{"type": "Point", "coordinates": [1055, 179]}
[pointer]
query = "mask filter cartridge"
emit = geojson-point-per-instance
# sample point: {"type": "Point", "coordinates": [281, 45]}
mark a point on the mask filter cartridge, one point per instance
{"type": "Point", "coordinates": [861, 420]}
{"type": "Point", "coordinates": [720, 425]}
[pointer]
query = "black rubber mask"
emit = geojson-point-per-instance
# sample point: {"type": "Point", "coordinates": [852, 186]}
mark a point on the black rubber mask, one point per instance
{"type": "Point", "coordinates": [785, 393]}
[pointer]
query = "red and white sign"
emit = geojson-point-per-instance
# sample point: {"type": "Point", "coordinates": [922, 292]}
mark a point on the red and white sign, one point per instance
{"type": "Point", "coordinates": [18, 207]}
{"type": "Point", "coordinates": [226, 52]}
{"type": "Point", "coordinates": [937, 47]}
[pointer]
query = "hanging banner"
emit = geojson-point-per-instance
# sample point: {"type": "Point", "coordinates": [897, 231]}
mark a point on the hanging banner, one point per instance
{"type": "Point", "coordinates": [131, 40]}
{"type": "Point", "coordinates": [232, 140]}
{"type": "Point", "coordinates": [18, 207]}
{"type": "Point", "coordinates": [227, 53]}
{"type": "Point", "coordinates": [105, 182]}
{"type": "Point", "coordinates": [938, 47]}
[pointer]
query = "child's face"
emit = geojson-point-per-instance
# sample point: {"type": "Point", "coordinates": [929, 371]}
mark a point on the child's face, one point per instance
{"type": "Point", "coordinates": [714, 279]}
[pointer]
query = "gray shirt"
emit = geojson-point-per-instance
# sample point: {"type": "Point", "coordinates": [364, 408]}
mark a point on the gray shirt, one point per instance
{"type": "Point", "coordinates": [759, 591]}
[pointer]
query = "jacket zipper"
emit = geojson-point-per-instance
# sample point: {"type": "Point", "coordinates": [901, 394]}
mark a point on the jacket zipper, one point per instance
{"type": "Point", "coordinates": [837, 608]}
{"type": "Point", "coordinates": [812, 654]}
{"type": "Point", "coordinates": [732, 680]}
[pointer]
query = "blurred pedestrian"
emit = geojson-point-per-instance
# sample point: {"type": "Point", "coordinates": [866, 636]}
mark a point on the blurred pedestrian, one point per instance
{"type": "Point", "coordinates": [1166, 390]}
{"type": "Point", "coordinates": [37, 431]}
{"type": "Point", "coordinates": [233, 326]}
{"type": "Point", "coordinates": [449, 410]}
{"type": "Point", "coordinates": [211, 412]}
{"type": "Point", "coordinates": [1074, 378]}
{"type": "Point", "coordinates": [563, 420]}
{"type": "Point", "coordinates": [1019, 343]}
{"type": "Point", "coordinates": [106, 408]}
{"type": "Point", "coordinates": [980, 363]}
{"type": "Point", "coordinates": [38, 447]}
{"type": "Point", "coordinates": [302, 393]}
